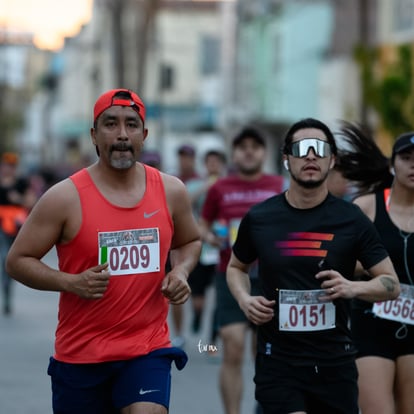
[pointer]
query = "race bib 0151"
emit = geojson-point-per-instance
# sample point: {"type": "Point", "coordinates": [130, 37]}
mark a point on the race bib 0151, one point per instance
{"type": "Point", "coordinates": [302, 311]}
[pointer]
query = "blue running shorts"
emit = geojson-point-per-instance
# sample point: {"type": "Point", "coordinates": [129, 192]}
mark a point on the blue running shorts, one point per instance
{"type": "Point", "coordinates": [105, 388]}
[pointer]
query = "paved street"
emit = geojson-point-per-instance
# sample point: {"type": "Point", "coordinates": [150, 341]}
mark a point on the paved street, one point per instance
{"type": "Point", "coordinates": [26, 342]}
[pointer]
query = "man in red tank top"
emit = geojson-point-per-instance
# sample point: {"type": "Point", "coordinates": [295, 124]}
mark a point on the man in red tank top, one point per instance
{"type": "Point", "coordinates": [113, 224]}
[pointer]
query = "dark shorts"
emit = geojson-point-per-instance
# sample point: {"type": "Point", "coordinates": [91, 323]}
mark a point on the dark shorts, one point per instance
{"type": "Point", "coordinates": [375, 336]}
{"type": "Point", "coordinates": [228, 310]}
{"type": "Point", "coordinates": [282, 388]}
{"type": "Point", "coordinates": [201, 278]}
{"type": "Point", "coordinates": [105, 388]}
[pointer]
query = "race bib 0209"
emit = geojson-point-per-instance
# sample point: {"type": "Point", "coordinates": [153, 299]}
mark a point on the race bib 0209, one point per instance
{"type": "Point", "coordinates": [130, 251]}
{"type": "Point", "coordinates": [303, 311]}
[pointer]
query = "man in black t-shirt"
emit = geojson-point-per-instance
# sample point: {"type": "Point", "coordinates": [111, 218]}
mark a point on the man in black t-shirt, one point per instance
{"type": "Point", "coordinates": [307, 243]}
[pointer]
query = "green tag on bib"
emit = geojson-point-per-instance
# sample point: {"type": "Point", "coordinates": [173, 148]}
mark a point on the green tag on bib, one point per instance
{"type": "Point", "coordinates": [104, 254]}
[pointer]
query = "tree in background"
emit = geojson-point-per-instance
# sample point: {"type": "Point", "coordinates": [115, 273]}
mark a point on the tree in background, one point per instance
{"type": "Point", "coordinates": [146, 11]}
{"type": "Point", "coordinates": [387, 85]}
{"type": "Point", "coordinates": [11, 116]}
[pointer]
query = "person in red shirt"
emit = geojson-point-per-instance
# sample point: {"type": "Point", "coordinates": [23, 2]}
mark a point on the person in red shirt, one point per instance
{"type": "Point", "coordinates": [227, 201]}
{"type": "Point", "coordinates": [113, 225]}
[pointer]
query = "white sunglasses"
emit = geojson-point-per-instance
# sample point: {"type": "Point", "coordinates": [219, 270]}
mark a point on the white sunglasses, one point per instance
{"type": "Point", "coordinates": [301, 148]}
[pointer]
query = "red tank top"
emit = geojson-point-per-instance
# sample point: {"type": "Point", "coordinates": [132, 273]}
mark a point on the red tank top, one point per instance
{"type": "Point", "coordinates": [131, 319]}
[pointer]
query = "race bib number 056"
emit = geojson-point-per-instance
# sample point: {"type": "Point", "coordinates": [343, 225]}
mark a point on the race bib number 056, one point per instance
{"type": "Point", "coordinates": [130, 251]}
{"type": "Point", "coordinates": [301, 310]}
{"type": "Point", "coordinates": [400, 309]}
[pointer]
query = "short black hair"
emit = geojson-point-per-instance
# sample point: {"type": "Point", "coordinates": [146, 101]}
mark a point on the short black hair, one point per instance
{"type": "Point", "coordinates": [186, 150]}
{"type": "Point", "coordinates": [249, 132]}
{"type": "Point", "coordinates": [215, 153]}
{"type": "Point", "coordinates": [305, 124]}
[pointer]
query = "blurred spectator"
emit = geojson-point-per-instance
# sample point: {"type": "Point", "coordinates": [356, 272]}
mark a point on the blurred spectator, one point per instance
{"type": "Point", "coordinates": [227, 201]}
{"type": "Point", "coordinates": [186, 171]}
{"type": "Point", "coordinates": [151, 158]}
{"type": "Point", "coordinates": [186, 163]}
{"type": "Point", "coordinates": [16, 199]}
{"type": "Point", "coordinates": [202, 276]}
{"type": "Point", "coordinates": [338, 185]}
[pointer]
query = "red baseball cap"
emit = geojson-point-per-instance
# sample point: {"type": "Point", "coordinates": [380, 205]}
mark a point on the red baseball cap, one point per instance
{"type": "Point", "coordinates": [108, 99]}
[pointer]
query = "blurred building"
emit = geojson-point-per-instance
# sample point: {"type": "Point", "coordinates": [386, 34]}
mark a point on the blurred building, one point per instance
{"type": "Point", "coordinates": [180, 84]}
{"type": "Point", "coordinates": [295, 59]}
{"type": "Point", "coordinates": [395, 70]}
{"type": "Point", "coordinates": [204, 68]}
{"type": "Point", "coordinates": [396, 22]}
{"type": "Point", "coordinates": [20, 65]}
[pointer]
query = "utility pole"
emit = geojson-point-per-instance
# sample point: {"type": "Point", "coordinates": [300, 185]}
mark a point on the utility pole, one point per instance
{"type": "Point", "coordinates": [116, 9]}
{"type": "Point", "coordinates": [147, 11]}
{"type": "Point", "coordinates": [364, 25]}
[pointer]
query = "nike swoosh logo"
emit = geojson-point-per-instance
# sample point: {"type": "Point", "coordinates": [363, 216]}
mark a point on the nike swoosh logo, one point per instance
{"type": "Point", "coordinates": [143, 392]}
{"type": "Point", "coordinates": [148, 215]}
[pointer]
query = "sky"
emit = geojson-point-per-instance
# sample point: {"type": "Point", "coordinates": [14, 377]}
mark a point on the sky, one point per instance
{"type": "Point", "coordinates": [49, 20]}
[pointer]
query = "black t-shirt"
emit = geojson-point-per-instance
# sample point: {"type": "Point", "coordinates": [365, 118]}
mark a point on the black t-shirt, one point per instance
{"type": "Point", "coordinates": [20, 186]}
{"type": "Point", "coordinates": [291, 246]}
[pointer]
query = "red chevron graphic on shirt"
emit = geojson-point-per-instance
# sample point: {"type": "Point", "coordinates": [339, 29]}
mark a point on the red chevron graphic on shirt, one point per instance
{"type": "Point", "coordinates": [304, 244]}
